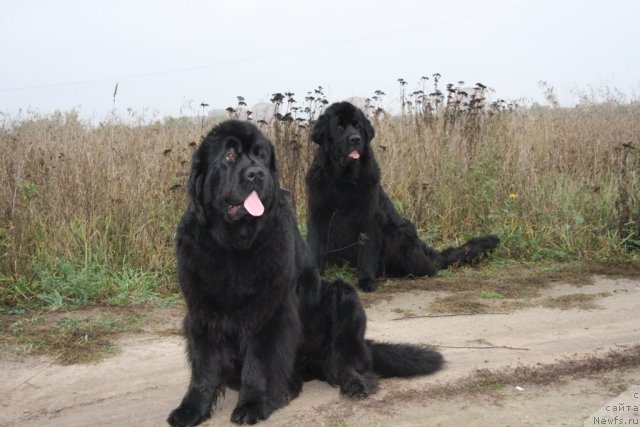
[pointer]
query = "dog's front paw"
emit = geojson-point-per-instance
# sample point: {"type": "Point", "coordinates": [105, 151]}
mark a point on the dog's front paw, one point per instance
{"type": "Point", "coordinates": [367, 285]}
{"type": "Point", "coordinates": [249, 413]}
{"type": "Point", "coordinates": [185, 416]}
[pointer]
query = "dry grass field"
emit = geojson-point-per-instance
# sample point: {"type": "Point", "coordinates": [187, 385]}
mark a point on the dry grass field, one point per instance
{"type": "Point", "coordinates": [88, 210]}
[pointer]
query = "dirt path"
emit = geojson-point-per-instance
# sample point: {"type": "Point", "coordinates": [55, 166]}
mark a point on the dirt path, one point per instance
{"type": "Point", "coordinates": [147, 379]}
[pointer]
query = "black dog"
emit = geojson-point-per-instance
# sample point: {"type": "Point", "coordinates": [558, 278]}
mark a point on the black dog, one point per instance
{"type": "Point", "coordinates": [259, 318]}
{"type": "Point", "coordinates": [351, 219]}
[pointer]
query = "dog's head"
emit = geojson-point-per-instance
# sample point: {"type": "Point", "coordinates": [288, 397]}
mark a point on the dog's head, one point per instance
{"type": "Point", "coordinates": [344, 133]}
{"type": "Point", "coordinates": [233, 184]}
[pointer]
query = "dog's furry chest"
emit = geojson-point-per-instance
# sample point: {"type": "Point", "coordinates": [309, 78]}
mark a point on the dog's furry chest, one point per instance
{"type": "Point", "coordinates": [240, 288]}
{"type": "Point", "coordinates": [345, 235]}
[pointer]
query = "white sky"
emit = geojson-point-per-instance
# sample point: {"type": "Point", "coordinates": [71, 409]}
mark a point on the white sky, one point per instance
{"type": "Point", "coordinates": [166, 54]}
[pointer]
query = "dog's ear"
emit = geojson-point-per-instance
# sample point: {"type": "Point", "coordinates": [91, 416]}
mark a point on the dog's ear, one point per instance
{"type": "Point", "coordinates": [320, 129]}
{"type": "Point", "coordinates": [369, 131]}
{"type": "Point", "coordinates": [196, 180]}
{"type": "Point", "coordinates": [273, 163]}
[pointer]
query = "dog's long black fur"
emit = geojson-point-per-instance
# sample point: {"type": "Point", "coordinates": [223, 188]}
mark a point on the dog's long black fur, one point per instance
{"type": "Point", "coordinates": [351, 219]}
{"type": "Point", "coordinates": [259, 318]}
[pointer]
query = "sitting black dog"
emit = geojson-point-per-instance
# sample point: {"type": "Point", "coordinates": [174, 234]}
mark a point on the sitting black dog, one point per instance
{"type": "Point", "coordinates": [259, 318]}
{"type": "Point", "coordinates": [350, 217]}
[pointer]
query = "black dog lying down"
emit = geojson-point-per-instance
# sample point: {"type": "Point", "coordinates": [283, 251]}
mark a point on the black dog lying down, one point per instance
{"type": "Point", "coordinates": [350, 217]}
{"type": "Point", "coordinates": [259, 318]}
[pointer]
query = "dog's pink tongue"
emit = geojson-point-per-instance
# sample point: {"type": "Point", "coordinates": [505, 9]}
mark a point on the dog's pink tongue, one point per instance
{"type": "Point", "coordinates": [354, 154]}
{"type": "Point", "coordinates": [253, 205]}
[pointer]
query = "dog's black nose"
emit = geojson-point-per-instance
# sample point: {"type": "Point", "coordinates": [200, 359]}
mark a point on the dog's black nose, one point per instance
{"type": "Point", "coordinates": [354, 139]}
{"type": "Point", "coordinates": [253, 173]}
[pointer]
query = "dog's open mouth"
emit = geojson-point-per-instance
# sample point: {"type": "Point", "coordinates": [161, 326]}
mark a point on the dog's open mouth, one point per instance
{"type": "Point", "coordinates": [355, 155]}
{"type": "Point", "coordinates": [252, 205]}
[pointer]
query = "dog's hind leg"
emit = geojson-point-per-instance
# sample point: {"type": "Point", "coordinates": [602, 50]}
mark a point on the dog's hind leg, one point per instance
{"type": "Point", "coordinates": [349, 362]}
{"type": "Point", "coordinates": [413, 258]}
{"type": "Point", "coordinates": [422, 260]}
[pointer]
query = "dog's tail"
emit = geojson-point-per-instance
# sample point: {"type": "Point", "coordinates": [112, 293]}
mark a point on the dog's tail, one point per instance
{"type": "Point", "coordinates": [471, 251]}
{"type": "Point", "coordinates": [403, 360]}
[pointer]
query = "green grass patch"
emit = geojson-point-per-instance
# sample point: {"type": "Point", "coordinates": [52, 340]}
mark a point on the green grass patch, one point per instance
{"type": "Point", "coordinates": [68, 284]}
{"type": "Point", "coordinates": [345, 272]}
{"type": "Point", "coordinates": [495, 385]}
{"type": "Point", "coordinates": [491, 295]}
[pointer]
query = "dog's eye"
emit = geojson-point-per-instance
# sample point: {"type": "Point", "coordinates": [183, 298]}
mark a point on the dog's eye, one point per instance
{"type": "Point", "coordinates": [260, 153]}
{"type": "Point", "coordinates": [340, 128]}
{"type": "Point", "coordinates": [231, 157]}
{"type": "Point", "coordinates": [356, 125]}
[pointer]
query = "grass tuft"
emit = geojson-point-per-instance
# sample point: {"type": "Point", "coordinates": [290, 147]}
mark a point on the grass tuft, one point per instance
{"type": "Point", "coordinates": [458, 303]}
{"type": "Point", "coordinates": [69, 338]}
{"type": "Point", "coordinates": [574, 301]}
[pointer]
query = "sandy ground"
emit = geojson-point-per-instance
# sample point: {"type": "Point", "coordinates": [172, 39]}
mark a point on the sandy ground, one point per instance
{"type": "Point", "coordinates": [147, 378]}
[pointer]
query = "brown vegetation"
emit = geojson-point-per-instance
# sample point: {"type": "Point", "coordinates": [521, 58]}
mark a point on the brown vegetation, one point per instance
{"type": "Point", "coordinates": [554, 183]}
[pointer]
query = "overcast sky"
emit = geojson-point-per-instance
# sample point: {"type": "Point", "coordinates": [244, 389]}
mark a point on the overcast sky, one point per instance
{"type": "Point", "coordinates": [167, 55]}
